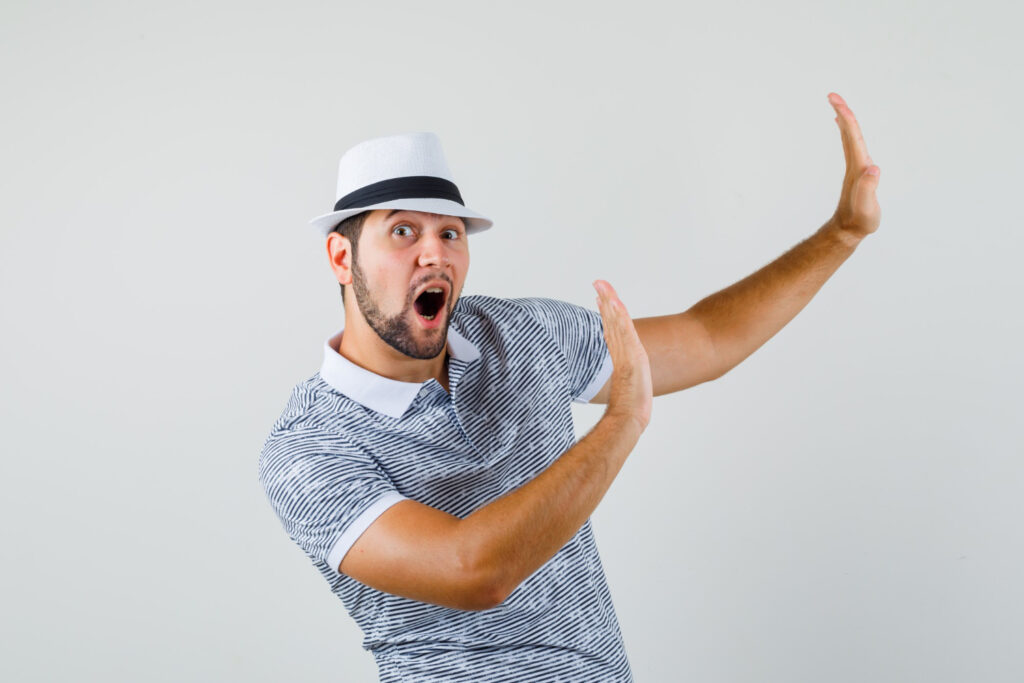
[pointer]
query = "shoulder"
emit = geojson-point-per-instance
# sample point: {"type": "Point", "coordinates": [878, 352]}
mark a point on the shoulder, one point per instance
{"type": "Point", "coordinates": [530, 324]}
{"type": "Point", "coordinates": [533, 319]}
{"type": "Point", "coordinates": [303, 458]}
{"type": "Point", "coordinates": [483, 306]}
{"type": "Point", "coordinates": [310, 425]}
{"type": "Point", "coordinates": [316, 404]}
{"type": "Point", "coordinates": [479, 306]}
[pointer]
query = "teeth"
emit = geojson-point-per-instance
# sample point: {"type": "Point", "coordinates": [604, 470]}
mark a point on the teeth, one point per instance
{"type": "Point", "coordinates": [434, 289]}
{"type": "Point", "coordinates": [429, 317]}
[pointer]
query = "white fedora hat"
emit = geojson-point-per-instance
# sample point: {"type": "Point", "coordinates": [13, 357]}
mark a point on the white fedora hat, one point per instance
{"type": "Point", "coordinates": [397, 172]}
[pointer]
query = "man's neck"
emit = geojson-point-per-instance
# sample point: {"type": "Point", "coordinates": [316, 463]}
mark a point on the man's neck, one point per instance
{"type": "Point", "coordinates": [362, 346]}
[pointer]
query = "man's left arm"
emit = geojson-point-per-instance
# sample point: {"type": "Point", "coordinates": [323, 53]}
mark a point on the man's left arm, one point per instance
{"type": "Point", "coordinates": [718, 332]}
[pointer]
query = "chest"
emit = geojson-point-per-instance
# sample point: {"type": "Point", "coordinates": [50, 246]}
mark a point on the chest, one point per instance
{"type": "Point", "coordinates": [507, 417]}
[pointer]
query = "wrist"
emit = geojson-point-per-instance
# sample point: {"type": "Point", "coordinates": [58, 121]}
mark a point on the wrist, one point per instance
{"type": "Point", "coordinates": [626, 422]}
{"type": "Point", "coordinates": [845, 236]}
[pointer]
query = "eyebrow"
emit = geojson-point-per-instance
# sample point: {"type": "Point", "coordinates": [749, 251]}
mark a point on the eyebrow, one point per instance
{"type": "Point", "coordinates": [392, 212]}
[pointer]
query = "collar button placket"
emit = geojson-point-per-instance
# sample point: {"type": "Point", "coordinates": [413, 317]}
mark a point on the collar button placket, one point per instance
{"type": "Point", "coordinates": [454, 418]}
{"type": "Point", "coordinates": [453, 414]}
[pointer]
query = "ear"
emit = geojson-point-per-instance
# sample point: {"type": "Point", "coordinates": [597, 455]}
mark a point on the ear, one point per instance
{"type": "Point", "coordinates": [339, 252]}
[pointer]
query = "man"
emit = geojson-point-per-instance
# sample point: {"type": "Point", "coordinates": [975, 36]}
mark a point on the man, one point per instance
{"type": "Point", "coordinates": [430, 470]}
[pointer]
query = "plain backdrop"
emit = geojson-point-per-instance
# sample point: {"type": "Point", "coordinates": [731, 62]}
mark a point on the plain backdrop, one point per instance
{"type": "Point", "coordinates": [844, 505]}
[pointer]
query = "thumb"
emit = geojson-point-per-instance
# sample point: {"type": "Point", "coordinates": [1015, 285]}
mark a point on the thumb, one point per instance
{"type": "Point", "coordinates": [866, 184]}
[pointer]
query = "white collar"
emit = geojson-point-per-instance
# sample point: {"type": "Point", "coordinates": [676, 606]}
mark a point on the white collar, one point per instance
{"type": "Point", "coordinates": [385, 395]}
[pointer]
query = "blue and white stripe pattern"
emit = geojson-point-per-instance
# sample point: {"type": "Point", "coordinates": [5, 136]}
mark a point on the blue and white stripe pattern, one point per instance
{"type": "Point", "coordinates": [351, 443]}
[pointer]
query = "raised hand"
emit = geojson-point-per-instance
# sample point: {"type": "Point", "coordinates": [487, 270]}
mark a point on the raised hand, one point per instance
{"type": "Point", "coordinates": [631, 391]}
{"type": "Point", "coordinates": [858, 213]}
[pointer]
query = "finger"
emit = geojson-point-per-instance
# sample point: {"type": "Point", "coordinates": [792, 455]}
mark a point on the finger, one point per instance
{"type": "Point", "coordinates": [855, 139]}
{"type": "Point", "coordinates": [855, 165]}
{"type": "Point", "coordinates": [842, 136]}
{"type": "Point", "coordinates": [847, 151]}
{"type": "Point", "coordinates": [602, 308]}
{"type": "Point", "coordinates": [846, 155]}
{"type": "Point", "coordinates": [608, 293]}
{"type": "Point", "coordinates": [603, 300]}
{"type": "Point", "coordinates": [613, 332]}
{"type": "Point", "coordinates": [615, 303]}
{"type": "Point", "coordinates": [613, 312]}
{"type": "Point", "coordinates": [602, 295]}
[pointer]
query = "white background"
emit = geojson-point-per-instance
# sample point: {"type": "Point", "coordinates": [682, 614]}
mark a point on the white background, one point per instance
{"type": "Point", "coordinates": [845, 505]}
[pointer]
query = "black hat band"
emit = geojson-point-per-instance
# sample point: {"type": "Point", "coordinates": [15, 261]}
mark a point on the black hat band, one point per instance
{"type": "Point", "coordinates": [409, 187]}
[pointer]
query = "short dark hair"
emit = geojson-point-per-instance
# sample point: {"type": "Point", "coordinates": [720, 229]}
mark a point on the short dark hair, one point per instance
{"type": "Point", "coordinates": [351, 228]}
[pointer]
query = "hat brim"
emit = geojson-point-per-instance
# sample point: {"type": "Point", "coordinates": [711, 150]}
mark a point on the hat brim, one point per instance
{"type": "Point", "coordinates": [474, 222]}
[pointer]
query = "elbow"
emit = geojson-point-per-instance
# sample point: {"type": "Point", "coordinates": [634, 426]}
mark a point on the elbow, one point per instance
{"type": "Point", "coordinates": [483, 598]}
{"type": "Point", "coordinates": [483, 585]}
{"type": "Point", "coordinates": [483, 589]}
{"type": "Point", "coordinates": [475, 595]}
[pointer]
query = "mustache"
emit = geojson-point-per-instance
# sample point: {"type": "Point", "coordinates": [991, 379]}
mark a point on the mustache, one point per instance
{"type": "Point", "coordinates": [428, 278]}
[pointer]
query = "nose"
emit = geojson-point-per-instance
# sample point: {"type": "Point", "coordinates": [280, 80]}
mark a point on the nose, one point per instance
{"type": "Point", "coordinates": [433, 251]}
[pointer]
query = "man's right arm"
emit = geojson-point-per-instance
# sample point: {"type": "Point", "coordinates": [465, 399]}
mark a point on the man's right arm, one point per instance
{"type": "Point", "coordinates": [422, 553]}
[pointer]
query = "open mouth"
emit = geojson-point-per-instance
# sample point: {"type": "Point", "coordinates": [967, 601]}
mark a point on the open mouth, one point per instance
{"type": "Point", "coordinates": [429, 302]}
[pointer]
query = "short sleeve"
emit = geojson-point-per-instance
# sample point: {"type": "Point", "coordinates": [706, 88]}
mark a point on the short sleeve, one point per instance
{"type": "Point", "coordinates": [325, 492]}
{"type": "Point", "coordinates": [579, 333]}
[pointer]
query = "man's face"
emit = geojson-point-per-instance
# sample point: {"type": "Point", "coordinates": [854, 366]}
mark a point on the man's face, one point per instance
{"type": "Point", "coordinates": [403, 257]}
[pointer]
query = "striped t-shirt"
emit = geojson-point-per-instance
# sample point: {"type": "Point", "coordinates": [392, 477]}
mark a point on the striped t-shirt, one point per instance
{"type": "Point", "coordinates": [351, 443]}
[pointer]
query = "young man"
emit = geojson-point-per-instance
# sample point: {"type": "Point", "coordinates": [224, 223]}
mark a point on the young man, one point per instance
{"type": "Point", "coordinates": [430, 470]}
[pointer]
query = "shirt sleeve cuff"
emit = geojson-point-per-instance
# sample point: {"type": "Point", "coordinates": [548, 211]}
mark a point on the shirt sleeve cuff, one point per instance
{"type": "Point", "coordinates": [358, 526]}
{"type": "Point", "coordinates": [599, 379]}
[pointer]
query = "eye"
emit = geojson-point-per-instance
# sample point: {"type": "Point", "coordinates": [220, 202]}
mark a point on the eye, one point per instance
{"type": "Point", "coordinates": [401, 227]}
{"type": "Point", "coordinates": [454, 234]}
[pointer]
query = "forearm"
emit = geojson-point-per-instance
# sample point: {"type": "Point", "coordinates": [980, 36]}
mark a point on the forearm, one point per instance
{"type": "Point", "coordinates": [742, 317]}
{"type": "Point", "coordinates": [513, 536]}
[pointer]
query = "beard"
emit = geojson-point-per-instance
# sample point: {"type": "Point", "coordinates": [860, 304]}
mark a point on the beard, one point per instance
{"type": "Point", "coordinates": [396, 330]}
